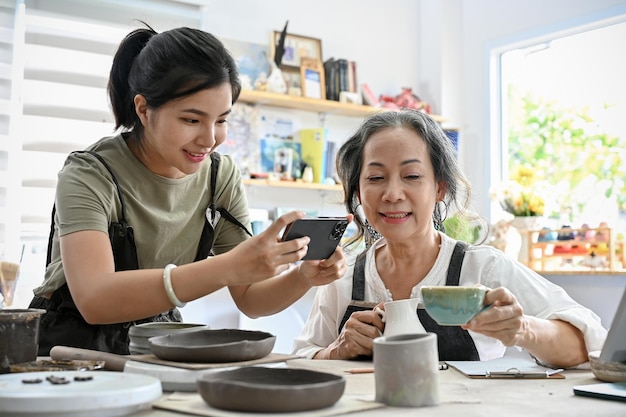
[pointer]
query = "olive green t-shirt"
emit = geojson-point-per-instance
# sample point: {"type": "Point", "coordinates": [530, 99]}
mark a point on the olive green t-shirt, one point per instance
{"type": "Point", "coordinates": [167, 215]}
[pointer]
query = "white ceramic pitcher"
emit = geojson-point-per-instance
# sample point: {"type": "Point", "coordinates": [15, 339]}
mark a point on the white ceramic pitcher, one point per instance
{"type": "Point", "coordinates": [400, 317]}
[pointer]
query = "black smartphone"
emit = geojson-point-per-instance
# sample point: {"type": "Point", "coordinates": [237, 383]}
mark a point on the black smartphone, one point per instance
{"type": "Point", "coordinates": [325, 234]}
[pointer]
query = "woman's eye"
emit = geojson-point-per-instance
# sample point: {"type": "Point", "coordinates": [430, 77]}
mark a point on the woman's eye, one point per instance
{"type": "Point", "coordinates": [224, 121]}
{"type": "Point", "coordinates": [413, 177]}
{"type": "Point", "coordinates": [374, 178]}
{"type": "Point", "coordinates": [191, 121]}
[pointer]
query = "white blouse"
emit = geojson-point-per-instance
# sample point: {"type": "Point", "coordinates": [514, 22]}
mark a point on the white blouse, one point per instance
{"type": "Point", "coordinates": [482, 265]}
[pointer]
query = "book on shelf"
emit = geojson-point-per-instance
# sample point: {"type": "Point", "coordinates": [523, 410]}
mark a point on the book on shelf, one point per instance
{"type": "Point", "coordinates": [368, 96]}
{"type": "Point", "coordinates": [352, 78]}
{"type": "Point", "coordinates": [331, 152]}
{"type": "Point", "coordinates": [453, 135]}
{"type": "Point", "coordinates": [343, 75]}
{"type": "Point", "coordinates": [340, 76]}
{"type": "Point", "coordinates": [313, 147]}
{"type": "Point", "coordinates": [332, 81]}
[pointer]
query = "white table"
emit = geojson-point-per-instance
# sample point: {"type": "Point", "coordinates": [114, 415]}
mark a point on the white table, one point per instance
{"type": "Point", "coordinates": [462, 396]}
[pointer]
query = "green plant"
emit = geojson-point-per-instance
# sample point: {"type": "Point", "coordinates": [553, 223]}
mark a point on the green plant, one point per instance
{"type": "Point", "coordinates": [566, 146]}
{"type": "Point", "coordinates": [460, 228]}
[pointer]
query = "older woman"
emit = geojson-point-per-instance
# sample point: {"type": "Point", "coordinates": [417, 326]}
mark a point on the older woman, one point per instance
{"type": "Point", "coordinates": [400, 174]}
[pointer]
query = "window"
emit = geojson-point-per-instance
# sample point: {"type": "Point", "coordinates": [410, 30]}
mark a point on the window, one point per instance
{"type": "Point", "coordinates": [55, 57]}
{"type": "Point", "coordinates": [562, 113]}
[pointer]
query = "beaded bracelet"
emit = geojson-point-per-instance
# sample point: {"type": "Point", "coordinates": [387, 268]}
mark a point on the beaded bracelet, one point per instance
{"type": "Point", "coordinates": [169, 290]}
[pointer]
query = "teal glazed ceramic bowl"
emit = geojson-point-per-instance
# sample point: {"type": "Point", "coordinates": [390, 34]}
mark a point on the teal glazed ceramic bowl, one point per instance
{"type": "Point", "coordinates": [452, 305]}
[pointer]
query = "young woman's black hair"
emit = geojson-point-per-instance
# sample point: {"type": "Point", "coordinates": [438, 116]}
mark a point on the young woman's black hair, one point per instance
{"type": "Point", "coordinates": [166, 66]}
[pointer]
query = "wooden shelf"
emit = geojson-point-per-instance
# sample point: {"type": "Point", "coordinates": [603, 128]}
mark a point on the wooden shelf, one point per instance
{"type": "Point", "coordinates": [549, 256]}
{"type": "Point", "coordinates": [311, 104]}
{"type": "Point", "coordinates": [293, 184]}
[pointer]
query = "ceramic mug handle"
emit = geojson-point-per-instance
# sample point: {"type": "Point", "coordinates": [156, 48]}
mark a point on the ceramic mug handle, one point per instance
{"type": "Point", "coordinates": [381, 313]}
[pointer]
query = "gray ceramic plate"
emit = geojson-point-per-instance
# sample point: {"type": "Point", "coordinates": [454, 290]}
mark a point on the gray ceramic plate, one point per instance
{"type": "Point", "coordinates": [270, 390]}
{"type": "Point", "coordinates": [140, 333]}
{"type": "Point", "coordinates": [209, 346]}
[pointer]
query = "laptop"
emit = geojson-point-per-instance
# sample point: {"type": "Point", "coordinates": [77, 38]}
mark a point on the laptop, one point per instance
{"type": "Point", "coordinates": [613, 350]}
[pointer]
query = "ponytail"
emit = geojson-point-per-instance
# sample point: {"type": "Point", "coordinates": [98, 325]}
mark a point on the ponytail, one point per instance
{"type": "Point", "coordinates": [120, 92]}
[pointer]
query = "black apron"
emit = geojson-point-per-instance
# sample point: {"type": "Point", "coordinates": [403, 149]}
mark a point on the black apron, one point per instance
{"type": "Point", "coordinates": [62, 324]}
{"type": "Point", "coordinates": [454, 343]}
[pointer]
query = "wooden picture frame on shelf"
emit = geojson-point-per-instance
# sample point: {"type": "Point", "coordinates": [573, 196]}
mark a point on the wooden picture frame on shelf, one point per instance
{"type": "Point", "coordinates": [294, 81]}
{"type": "Point", "coordinates": [312, 76]}
{"type": "Point", "coordinates": [296, 47]}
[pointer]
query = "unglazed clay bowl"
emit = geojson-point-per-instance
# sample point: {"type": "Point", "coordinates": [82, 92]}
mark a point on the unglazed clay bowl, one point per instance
{"type": "Point", "coordinates": [453, 305]}
{"type": "Point", "coordinates": [210, 346]}
{"type": "Point", "coordinates": [607, 371]}
{"type": "Point", "coordinates": [270, 390]}
{"type": "Point", "coordinates": [139, 334]}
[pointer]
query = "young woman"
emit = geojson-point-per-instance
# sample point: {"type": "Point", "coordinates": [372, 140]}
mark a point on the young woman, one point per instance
{"type": "Point", "coordinates": [139, 213]}
{"type": "Point", "coordinates": [400, 172]}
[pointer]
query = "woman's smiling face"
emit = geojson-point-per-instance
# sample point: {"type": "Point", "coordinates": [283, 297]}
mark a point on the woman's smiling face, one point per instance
{"type": "Point", "coordinates": [397, 187]}
{"type": "Point", "coordinates": [180, 135]}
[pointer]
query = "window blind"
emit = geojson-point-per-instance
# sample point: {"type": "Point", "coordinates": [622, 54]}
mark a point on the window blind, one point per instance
{"type": "Point", "coordinates": [58, 54]}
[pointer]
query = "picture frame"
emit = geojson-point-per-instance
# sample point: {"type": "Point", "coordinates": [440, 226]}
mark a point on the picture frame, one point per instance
{"type": "Point", "coordinates": [313, 79]}
{"type": "Point", "coordinates": [296, 47]}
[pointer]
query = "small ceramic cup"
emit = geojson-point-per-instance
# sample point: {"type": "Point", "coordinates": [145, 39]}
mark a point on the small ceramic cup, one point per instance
{"type": "Point", "coordinates": [406, 370]}
{"type": "Point", "coordinates": [453, 305]}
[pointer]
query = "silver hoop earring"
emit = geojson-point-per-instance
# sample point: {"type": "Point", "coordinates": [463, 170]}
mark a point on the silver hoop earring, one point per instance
{"type": "Point", "coordinates": [438, 219]}
{"type": "Point", "coordinates": [372, 235]}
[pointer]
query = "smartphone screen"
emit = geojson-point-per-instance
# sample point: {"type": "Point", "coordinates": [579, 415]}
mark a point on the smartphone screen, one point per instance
{"type": "Point", "coordinates": [325, 234]}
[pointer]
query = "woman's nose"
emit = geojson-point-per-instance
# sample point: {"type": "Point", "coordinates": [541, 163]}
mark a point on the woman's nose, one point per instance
{"type": "Point", "coordinates": [208, 137]}
{"type": "Point", "coordinates": [393, 191]}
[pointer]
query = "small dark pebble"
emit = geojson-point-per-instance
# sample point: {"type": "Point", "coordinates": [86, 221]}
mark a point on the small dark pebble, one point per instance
{"type": "Point", "coordinates": [56, 380]}
{"type": "Point", "coordinates": [32, 381]}
{"type": "Point", "coordinates": [83, 378]}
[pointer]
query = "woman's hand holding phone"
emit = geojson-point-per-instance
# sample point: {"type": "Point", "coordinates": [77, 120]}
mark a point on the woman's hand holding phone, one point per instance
{"type": "Point", "coordinates": [324, 261]}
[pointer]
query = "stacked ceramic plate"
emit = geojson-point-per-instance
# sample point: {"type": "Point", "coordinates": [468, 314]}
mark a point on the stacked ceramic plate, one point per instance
{"type": "Point", "coordinates": [76, 394]}
{"type": "Point", "coordinates": [140, 333]}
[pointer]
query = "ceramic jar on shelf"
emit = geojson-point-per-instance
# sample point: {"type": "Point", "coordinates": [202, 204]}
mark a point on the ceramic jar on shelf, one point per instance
{"type": "Point", "coordinates": [524, 225]}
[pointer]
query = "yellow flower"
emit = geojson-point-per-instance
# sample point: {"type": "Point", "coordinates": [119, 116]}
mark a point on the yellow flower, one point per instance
{"type": "Point", "coordinates": [521, 196]}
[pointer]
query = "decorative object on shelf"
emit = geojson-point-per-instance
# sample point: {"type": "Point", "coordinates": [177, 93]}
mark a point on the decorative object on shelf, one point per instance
{"type": "Point", "coordinates": [279, 45]}
{"type": "Point", "coordinates": [294, 47]}
{"type": "Point", "coordinates": [405, 100]}
{"type": "Point", "coordinates": [252, 60]}
{"type": "Point", "coordinates": [569, 249]}
{"type": "Point", "coordinates": [276, 82]}
{"type": "Point", "coordinates": [503, 236]}
{"type": "Point", "coordinates": [260, 84]}
{"type": "Point", "coordinates": [307, 175]}
{"type": "Point", "coordinates": [525, 224]}
{"type": "Point", "coordinates": [312, 75]}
